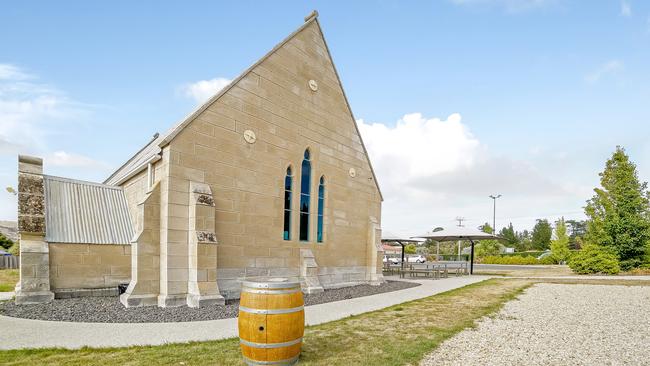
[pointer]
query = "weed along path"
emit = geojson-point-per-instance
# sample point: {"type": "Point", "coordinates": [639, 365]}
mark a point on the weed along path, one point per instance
{"type": "Point", "coordinates": [400, 334]}
{"type": "Point", "coordinates": [27, 333]}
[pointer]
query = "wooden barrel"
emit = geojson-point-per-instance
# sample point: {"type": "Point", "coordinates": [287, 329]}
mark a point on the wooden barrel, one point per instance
{"type": "Point", "coordinates": [271, 322]}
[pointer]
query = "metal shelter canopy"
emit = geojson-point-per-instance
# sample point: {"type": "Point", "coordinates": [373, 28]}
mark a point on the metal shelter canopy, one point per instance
{"type": "Point", "coordinates": [460, 233]}
{"type": "Point", "coordinates": [402, 240]}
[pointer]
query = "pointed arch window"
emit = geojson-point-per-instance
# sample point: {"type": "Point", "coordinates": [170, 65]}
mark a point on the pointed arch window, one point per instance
{"type": "Point", "coordinates": [305, 196]}
{"type": "Point", "coordinates": [321, 207]}
{"type": "Point", "coordinates": [288, 185]}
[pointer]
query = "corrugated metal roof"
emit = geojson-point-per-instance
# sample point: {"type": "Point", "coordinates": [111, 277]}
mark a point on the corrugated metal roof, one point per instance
{"type": "Point", "coordinates": [85, 212]}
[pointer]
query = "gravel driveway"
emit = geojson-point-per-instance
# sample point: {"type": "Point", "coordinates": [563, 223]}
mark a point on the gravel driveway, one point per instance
{"type": "Point", "coordinates": [552, 324]}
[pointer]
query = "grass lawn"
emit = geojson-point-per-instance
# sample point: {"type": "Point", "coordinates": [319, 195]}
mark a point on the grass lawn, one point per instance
{"type": "Point", "coordinates": [8, 279]}
{"type": "Point", "coordinates": [399, 335]}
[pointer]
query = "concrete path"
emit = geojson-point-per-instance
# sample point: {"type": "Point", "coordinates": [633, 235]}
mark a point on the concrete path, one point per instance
{"type": "Point", "coordinates": [25, 333]}
{"type": "Point", "coordinates": [4, 296]}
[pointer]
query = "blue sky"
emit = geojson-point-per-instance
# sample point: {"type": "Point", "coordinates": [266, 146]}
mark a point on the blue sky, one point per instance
{"type": "Point", "coordinates": [524, 98]}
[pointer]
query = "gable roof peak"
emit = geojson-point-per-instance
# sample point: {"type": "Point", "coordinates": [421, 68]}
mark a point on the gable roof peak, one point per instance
{"type": "Point", "coordinates": [313, 14]}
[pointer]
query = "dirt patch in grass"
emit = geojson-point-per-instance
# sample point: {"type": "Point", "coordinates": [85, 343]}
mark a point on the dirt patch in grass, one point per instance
{"type": "Point", "coordinates": [398, 335]}
{"type": "Point", "coordinates": [594, 281]}
{"type": "Point", "coordinates": [8, 279]}
{"type": "Point", "coordinates": [636, 272]}
{"type": "Point", "coordinates": [554, 271]}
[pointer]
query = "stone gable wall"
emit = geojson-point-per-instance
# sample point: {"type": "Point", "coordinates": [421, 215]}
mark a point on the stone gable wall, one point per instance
{"type": "Point", "coordinates": [275, 101]}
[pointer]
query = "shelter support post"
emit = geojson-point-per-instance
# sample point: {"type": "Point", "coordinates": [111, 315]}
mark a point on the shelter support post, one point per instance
{"type": "Point", "coordinates": [471, 260]}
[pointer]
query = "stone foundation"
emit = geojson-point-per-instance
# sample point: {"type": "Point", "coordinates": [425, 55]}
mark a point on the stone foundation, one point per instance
{"type": "Point", "coordinates": [85, 292]}
{"type": "Point", "coordinates": [329, 277]}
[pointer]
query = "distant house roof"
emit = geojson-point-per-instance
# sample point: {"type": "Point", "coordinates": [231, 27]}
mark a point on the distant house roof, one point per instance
{"type": "Point", "coordinates": [85, 212]}
{"type": "Point", "coordinates": [391, 248]}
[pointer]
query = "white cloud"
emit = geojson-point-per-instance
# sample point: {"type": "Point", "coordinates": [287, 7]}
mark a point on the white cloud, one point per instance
{"type": "Point", "coordinates": [202, 90]}
{"type": "Point", "coordinates": [30, 110]}
{"type": "Point", "coordinates": [432, 170]}
{"type": "Point", "coordinates": [35, 118]}
{"type": "Point", "coordinates": [626, 9]}
{"type": "Point", "coordinates": [419, 147]}
{"type": "Point", "coordinates": [608, 68]}
{"type": "Point", "coordinates": [11, 72]}
{"type": "Point", "coordinates": [510, 6]}
{"type": "Point", "coordinates": [70, 160]}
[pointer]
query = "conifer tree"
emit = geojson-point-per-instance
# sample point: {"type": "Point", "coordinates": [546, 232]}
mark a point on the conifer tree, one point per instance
{"type": "Point", "coordinates": [560, 245]}
{"type": "Point", "coordinates": [619, 212]}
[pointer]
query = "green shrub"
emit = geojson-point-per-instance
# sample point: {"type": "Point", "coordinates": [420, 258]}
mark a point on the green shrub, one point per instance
{"type": "Point", "coordinates": [594, 259]}
{"type": "Point", "coordinates": [15, 249]}
{"type": "Point", "coordinates": [523, 254]}
{"type": "Point", "coordinates": [495, 259]}
{"type": "Point", "coordinates": [549, 259]}
{"type": "Point", "coordinates": [488, 248]}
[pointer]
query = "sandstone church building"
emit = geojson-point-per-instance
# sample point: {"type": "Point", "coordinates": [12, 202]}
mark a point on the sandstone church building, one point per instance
{"type": "Point", "coordinates": [268, 178]}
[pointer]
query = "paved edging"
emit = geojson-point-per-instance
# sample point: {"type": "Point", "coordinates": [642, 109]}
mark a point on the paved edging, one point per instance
{"type": "Point", "coordinates": [26, 333]}
{"type": "Point", "coordinates": [4, 296]}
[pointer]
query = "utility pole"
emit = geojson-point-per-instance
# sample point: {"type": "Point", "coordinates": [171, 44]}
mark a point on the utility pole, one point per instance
{"type": "Point", "coordinates": [494, 213]}
{"type": "Point", "coordinates": [460, 220]}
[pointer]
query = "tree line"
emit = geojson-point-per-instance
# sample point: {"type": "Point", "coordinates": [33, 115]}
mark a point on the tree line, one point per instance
{"type": "Point", "coordinates": [541, 236]}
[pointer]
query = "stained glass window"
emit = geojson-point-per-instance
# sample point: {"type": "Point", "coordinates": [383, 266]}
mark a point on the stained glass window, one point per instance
{"type": "Point", "coordinates": [305, 183]}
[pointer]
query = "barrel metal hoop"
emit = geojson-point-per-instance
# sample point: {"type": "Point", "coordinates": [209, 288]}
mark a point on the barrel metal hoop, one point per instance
{"type": "Point", "coordinates": [270, 292]}
{"type": "Point", "coordinates": [271, 311]}
{"type": "Point", "coordinates": [287, 362]}
{"type": "Point", "coordinates": [270, 345]}
{"type": "Point", "coordinates": [271, 284]}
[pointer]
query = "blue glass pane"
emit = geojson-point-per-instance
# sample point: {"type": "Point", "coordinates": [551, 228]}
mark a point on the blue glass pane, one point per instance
{"type": "Point", "coordinates": [319, 236]}
{"type": "Point", "coordinates": [320, 206]}
{"type": "Point", "coordinates": [305, 177]}
{"type": "Point", "coordinates": [287, 225]}
{"type": "Point", "coordinates": [304, 226]}
{"type": "Point", "coordinates": [287, 182]}
{"type": "Point", "coordinates": [287, 200]}
{"type": "Point", "coordinates": [304, 203]}
{"type": "Point", "coordinates": [321, 191]}
{"type": "Point", "coordinates": [307, 154]}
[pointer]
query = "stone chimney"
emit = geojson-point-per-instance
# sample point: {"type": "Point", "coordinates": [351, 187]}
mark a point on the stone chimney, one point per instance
{"type": "Point", "coordinates": [34, 285]}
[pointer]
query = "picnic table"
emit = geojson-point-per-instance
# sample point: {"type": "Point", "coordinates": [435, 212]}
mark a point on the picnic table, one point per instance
{"type": "Point", "coordinates": [434, 269]}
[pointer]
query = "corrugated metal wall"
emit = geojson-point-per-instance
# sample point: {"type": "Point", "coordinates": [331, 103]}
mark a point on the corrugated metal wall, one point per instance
{"type": "Point", "coordinates": [84, 212]}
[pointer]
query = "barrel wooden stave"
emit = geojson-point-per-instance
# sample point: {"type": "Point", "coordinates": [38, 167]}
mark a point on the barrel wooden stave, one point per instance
{"type": "Point", "coordinates": [280, 340]}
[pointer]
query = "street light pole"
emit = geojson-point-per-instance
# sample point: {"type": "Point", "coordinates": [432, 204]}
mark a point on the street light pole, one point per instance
{"type": "Point", "coordinates": [494, 213]}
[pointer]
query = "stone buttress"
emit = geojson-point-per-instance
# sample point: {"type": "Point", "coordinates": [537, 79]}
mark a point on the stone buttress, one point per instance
{"type": "Point", "coordinates": [34, 285]}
